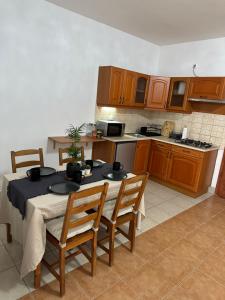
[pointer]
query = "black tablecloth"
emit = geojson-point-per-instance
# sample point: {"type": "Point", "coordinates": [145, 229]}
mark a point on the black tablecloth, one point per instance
{"type": "Point", "coordinates": [20, 190]}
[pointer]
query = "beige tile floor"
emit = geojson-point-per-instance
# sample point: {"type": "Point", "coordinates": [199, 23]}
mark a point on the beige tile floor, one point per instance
{"type": "Point", "coordinates": [161, 203]}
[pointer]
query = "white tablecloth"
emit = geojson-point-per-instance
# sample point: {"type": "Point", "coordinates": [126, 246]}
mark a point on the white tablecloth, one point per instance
{"type": "Point", "coordinates": [31, 232]}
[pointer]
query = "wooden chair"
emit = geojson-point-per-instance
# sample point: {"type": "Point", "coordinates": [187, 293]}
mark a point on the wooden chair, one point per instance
{"type": "Point", "coordinates": [125, 210]}
{"type": "Point", "coordinates": [68, 159]}
{"type": "Point", "coordinates": [75, 229]}
{"type": "Point", "coordinates": [39, 162]}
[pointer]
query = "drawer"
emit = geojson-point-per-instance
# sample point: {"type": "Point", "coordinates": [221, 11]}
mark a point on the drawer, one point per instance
{"type": "Point", "coordinates": [161, 145]}
{"type": "Point", "coordinates": [187, 151]}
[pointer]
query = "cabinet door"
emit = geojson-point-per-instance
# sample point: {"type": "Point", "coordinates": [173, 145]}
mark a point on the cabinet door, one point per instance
{"type": "Point", "coordinates": [178, 95]}
{"type": "Point", "coordinates": [158, 161]}
{"type": "Point", "coordinates": [128, 88]}
{"type": "Point", "coordinates": [184, 171]}
{"type": "Point", "coordinates": [141, 87]}
{"type": "Point", "coordinates": [116, 85]}
{"type": "Point", "coordinates": [158, 92]}
{"type": "Point", "coordinates": [207, 87]}
{"type": "Point", "coordinates": [141, 157]}
{"type": "Point", "coordinates": [220, 186]}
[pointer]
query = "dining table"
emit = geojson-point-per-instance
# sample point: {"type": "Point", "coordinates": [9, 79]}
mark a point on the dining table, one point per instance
{"type": "Point", "coordinates": [30, 230]}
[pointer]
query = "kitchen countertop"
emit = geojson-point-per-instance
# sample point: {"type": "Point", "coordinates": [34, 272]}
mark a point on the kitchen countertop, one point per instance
{"type": "Point", "coordinates": [128, 138]}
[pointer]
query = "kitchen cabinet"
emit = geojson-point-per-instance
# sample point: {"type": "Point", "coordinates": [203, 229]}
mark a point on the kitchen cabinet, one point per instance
{"type": "Point", "coordinates": [158, 161]}
{"type": "Point", "coordinates": [178, 95]}
{"type": "Point", "coordinates": [207, 88]}
{"type": "Point", "coordinates": [186, 170]}
{"type": "Point", "coordinates": [121, 88]}
{"type": "Point", "coordinates": [110, 86]}
{"type": "Point", "coordinates": [141, 157]}
{"type": "Point", "coordinates": [141, 86]}
{"type": "Point", "coordinates": [104, 150]}
{"type": "Point", "coordinates": [220, 186]}
{"type": "Point", "coordinates": [158, 92]}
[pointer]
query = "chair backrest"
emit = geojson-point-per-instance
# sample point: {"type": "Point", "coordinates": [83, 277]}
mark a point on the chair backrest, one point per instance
{"type": "Point", "coordinates": [130, 194]}
{"type": "Point", "coordinates": [79, 202]}
{"type": "Point", "coordinates": [28, 163]}
{"type": "Point", "coordinates": [66, 160]}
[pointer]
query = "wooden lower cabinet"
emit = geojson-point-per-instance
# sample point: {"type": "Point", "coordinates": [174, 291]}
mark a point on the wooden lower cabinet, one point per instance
{"type": "Point", "coordinates": [186, 170]}
{"type": "Point", "coordinates": [104, 150]}
{"type": "Point", "coordinates": [220, 187]}
{"type": "Point", "coordinates": [158, 160]}
{"type": "Point", "coordinates": [141, 157]}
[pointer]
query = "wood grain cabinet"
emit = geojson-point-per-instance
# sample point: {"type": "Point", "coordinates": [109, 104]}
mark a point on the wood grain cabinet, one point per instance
{"type": "Point", "coordinates": [141, 89]}
{"type": "Point", "coordinates": [119, 87]}
{"type": "Point", "coordinates": [186, 170]}
{"type": "Point", "coordinates": [141, 157]}
{"type": "Point", "coordinates": [207, 88]}
{"type": "Point", "coordinates": [158, 93]}
{"type": "Point", "coordinates": [178, 95]}
{"type": "Point", "coordinates": [158, 161]}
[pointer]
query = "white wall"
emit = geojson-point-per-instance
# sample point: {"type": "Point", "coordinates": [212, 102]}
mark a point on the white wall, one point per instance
{"type": "Point", "coordinates": [209, 55]}
{"type": "Point", "coordinates": [49, 59]}
{"type": "Point", "coordinates": [178, 59]}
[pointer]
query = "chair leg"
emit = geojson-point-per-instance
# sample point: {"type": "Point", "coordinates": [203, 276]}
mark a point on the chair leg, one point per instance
{"type": "Point", "coordinates": [93, 254]}
{"type": "Point", "coordinates": [62, 271]}
{"type": "Point", "coordinates": [111, 244]}
{"type": "Point", "coordinates": [37, 276]}
{"type": "Point", "coordinates": [132, 233]}
{"type": "Point", "coordinates": [8, 232]}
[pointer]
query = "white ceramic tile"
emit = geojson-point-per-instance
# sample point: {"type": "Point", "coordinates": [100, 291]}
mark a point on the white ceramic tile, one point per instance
{"type": "Point", "coordinates": [170, 208]}
{"type": "Point", "coordinates": [6, 261]}
{"type": "Point", "coordinates": [152, 200]}
{"type": "Point", "coordinates": [46, 277]}
{"type": "Point", "coordinates": [182, 202]}
{"type": "Point", "coordinates": [157, 215]}
{"type": "Point", "coordinates": [15, 251]}
{"type": "Point", "coordinates": [11, 286]}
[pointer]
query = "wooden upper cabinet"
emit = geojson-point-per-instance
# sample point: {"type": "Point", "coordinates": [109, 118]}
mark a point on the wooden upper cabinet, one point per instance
{"type": "Point", "coordinates": [120, 87]}
{"type": "Point", "coordinates": [110, 86]}
{"type": "Point", "coordinates": [116, 86]}
{"type": "Point", "coordinates": [178, 95]}
{"type": "Point", "coordinates": [141, 89]}
{"type": "Point", "coordinates": [128, 88]}
{"type": "Point", "coordinates": [141, 157]}
{"type": "Point", "coordinates": [207, 88]}
{"type": "Point", "coordinates": [158, 92]}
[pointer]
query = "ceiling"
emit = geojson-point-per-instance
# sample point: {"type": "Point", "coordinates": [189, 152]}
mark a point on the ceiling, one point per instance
{"type": "Point", "coordinates": [161, 22]}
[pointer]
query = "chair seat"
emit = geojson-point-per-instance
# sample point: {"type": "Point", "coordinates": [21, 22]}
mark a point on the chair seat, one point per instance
{"type": "Point", "coordinates": [109, 207]}
{"type": "Point", "coordinates": [55, 226]}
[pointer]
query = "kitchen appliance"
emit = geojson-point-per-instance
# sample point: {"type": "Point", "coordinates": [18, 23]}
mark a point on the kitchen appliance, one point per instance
{"type": "Point", "coordinates": [194, 143]}
{"type": "Point", "coordinates": [151, 130]}
{"type": "Point", "coordinates": [110, 128]}
{"type": "Point", "coordinates": [125, 153]}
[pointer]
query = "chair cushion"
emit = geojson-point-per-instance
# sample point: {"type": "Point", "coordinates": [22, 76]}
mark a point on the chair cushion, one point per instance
{"type": "Point", "coordinates": [55, 226]}
{"type": "Point", "coordinates": [109, 207]}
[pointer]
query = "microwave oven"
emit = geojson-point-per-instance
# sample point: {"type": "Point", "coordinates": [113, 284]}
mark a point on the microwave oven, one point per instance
{"type": "Point", "coordinates": [110, 128]}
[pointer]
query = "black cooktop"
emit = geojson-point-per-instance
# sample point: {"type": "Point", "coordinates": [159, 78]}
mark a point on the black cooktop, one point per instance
{"type": "Point", "coordinates": [194, 143]}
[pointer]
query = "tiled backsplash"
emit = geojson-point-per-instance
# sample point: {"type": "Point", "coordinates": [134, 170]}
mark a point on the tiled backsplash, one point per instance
{"type": "Point", "coordinates": [201, 126]}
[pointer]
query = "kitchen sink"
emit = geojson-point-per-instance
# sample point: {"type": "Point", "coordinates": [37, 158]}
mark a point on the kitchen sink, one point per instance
{"type": "Point", "coordinates": [136, 135]}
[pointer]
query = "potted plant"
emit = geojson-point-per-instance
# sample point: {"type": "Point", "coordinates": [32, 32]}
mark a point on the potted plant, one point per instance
{"type": "Point", "coordinates": [74, 150]}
